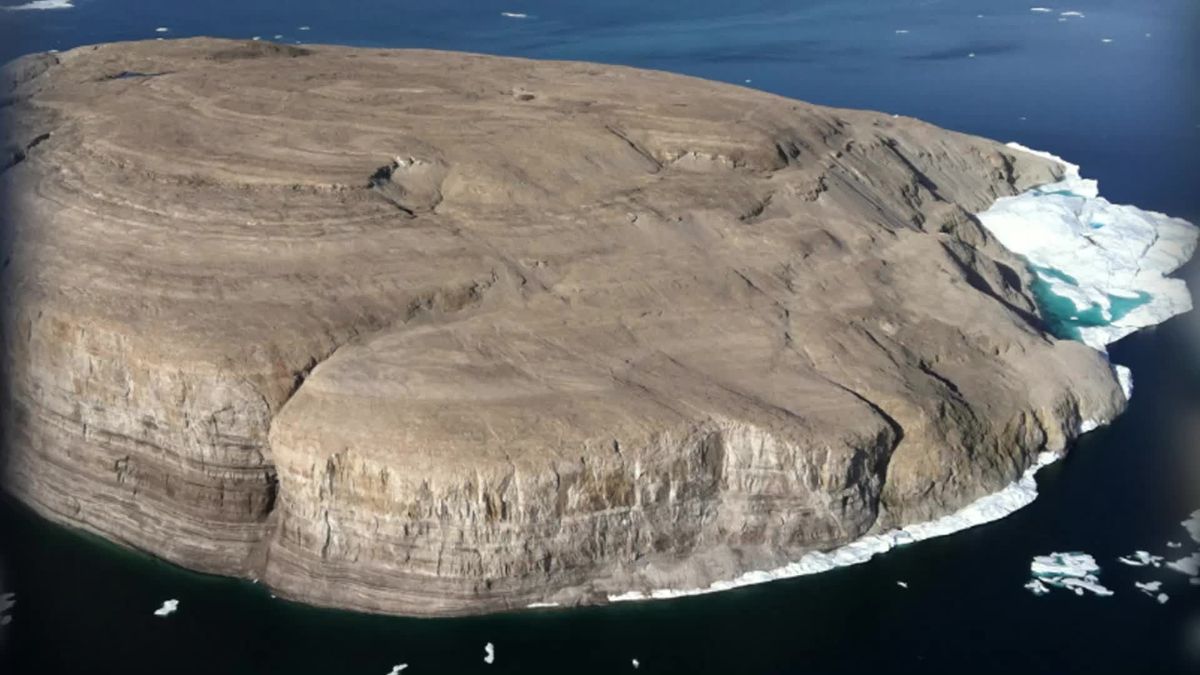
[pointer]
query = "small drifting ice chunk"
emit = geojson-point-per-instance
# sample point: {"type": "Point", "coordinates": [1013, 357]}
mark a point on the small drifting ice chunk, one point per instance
{"type": "Point", "coordinates": [1189, 565]}
{"type": "Point", "coordinates": [1106, 40]}
{"type": "Point", "coordinates": [1149, 588]}
{"type": "Point", "coordinates": [397, 669]}
{"type": "Point", "coordinates": [902, 31]}
{"type": "Point", "coordinates": [1078, 15]}
{"type": "Point", "coordinates": [1041, 10]}
{"type": "Point", "coordinates": [7, 602]}
{"type": "Point", "coordinates": [1162, 598]}
{"type": "Point", "coordinates": [277, 37]}
{"type": "Point", "coordinates": [1174, 544]}
{"type": "Point", "coordinates": [514, 15]}
{"type": "Point", "coordinates": [40, 4]}
{"type": "Point", "coordinates": [161, 29]}
{"type": "Point", "coordinates": [636, 664]}
{"type": "Point", "coordinates": [489, 653]}
{"type": "Point", "coordinates": [1037, 588]}
{"type": "Point", "coordinates": [971, 55]}
{"type": "Point", "coordinates": [168, 608]}
{"type": "Point", "coordinates": [1141, 559]}
{"type": "Point", "coordinates": [304, 28]}
{"type": "Point", "coordinates": [902, 584]}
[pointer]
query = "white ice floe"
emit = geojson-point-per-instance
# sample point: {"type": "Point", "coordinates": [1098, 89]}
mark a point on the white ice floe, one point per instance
{"type": "Point", "coordinates": [1076, 572]}
{"type": "Point", "coordinates": [902, 584]}
{"type": "Point", "coordinates": [1192, 524]}
{"type": "Point", "coordinates": [1141, 559]}
{"type": "Point", "coordinates": [984, 510]}
{"type": "Point", "coordinates": [541, 605]}
{"type": "Point", "coordinates": [1162, 598]}
{"type": "Point", "coordinates": [398, 668]}
{"type": "Point", "coordinates": [1077, 15]}
{"type": "Point", "coordinates": [902, 31]}
{"type": "Point", "coordinates": [1041, 10]}
{"type": "Point", "coordinates": [636, 664]}
{"type": "Point", "coordinates": [489, 653]}
{"type": "Point", "coordinates": [1037, 587]}
{"type": "Point", "coordinates": [1189, 565]}
{"type": "Point", "coordinates": [161, 29]}
{"type": "Point", "coordinates": [168, 608]}
{"type": "Point", "coordinates": [514, 15]}
{"type": "Point", "coordinates": [1102, 266]}
{"type": "Point", "coordinates": [1149, 587]}
{"type": "Point", "coordinates": [304, 28]}
{"type": "Point", "coordinates": [40, 4]}
{"type": "Point", "coordinates": [1174, 544]}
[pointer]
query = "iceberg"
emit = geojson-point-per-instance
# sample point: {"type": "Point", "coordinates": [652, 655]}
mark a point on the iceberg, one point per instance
{"type": "Point", "coordinates": [1076, 572]}
{"type": "Point", "coordinates": [398, 668]}
{"type": "Point", "coordinates": [1101, 269]}
{"type": "Point", "coordinates": [489, 655]}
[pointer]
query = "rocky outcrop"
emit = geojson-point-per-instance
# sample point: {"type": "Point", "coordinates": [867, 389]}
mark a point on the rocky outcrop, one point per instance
{"type": "Point", "coordinates": [435, 333]}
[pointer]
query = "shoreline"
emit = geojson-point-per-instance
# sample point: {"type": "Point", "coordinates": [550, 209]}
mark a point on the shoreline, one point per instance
{"type": "Point", "coordinates": [1022, 492]}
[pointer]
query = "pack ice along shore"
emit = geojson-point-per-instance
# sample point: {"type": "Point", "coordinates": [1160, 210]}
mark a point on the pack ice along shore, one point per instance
{"type": "Point", "coordinates": [433, 333]}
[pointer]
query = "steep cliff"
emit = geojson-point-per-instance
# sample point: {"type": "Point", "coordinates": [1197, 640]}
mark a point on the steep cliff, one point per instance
{"type": "Point", "coordinates": [436, 333]}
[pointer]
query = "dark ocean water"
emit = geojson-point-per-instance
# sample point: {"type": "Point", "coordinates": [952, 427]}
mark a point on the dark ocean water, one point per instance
{"type": "Point", "coordinates": [1127, 110]}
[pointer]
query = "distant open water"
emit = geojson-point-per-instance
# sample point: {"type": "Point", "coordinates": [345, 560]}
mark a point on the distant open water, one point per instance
{"type": "Point", "coordinates": [1127, 110]}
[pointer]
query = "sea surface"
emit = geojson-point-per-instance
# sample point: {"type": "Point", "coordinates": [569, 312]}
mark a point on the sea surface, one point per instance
{"type": "Point", "coordinates": [1116, 91]}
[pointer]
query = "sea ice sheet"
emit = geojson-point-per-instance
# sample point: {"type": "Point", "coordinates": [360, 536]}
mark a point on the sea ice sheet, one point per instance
{"type": "Point", "coordinates": [1101, 268]}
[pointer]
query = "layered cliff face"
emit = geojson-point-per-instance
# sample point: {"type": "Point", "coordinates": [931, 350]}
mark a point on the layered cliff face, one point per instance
{"type": "Point", "coordinates": [435, 333]}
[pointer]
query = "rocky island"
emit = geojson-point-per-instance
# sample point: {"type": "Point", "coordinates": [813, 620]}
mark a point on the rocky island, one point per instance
{"type": "Point", "coordinates": [433, 333]}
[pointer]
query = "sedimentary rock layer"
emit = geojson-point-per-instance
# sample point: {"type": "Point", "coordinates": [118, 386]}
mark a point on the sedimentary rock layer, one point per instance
{"type": "Point", "coordinates": [436, 333]}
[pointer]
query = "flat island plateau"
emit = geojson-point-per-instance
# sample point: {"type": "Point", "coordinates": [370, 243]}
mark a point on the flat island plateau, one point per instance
{"type": "Point", "coordinates": [432, 333]}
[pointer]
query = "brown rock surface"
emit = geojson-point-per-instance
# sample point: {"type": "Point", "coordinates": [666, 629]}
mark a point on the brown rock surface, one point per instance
{"type": "Point", "coordinates": [435, 333]}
